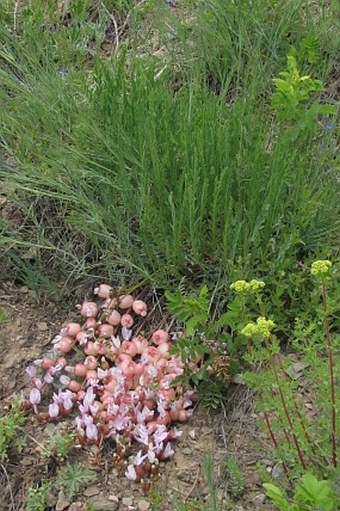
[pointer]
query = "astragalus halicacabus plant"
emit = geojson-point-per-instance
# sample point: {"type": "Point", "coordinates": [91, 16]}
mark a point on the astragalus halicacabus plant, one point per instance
{"type": "Point", "coordinates": [117, 384]}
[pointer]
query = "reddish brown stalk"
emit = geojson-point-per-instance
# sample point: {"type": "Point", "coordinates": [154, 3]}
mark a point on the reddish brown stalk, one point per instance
{"type": "Point", "coordinates": [331, 374]}
{"type": "Point", "coordinates": [284, 429]}
{"type": "Point", "coordinates": [275, 443]}
{"type": "Point", "coordinates": [308, 438]}
{"type": "Point", "coordinates": [283, 401]}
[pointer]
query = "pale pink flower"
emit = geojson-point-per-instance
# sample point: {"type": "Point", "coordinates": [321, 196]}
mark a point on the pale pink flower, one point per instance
{"type": "Point", "coordinates": [92, 432]}
{"type": "Point", "coordinates": [53, 410]}
{"type": "Point", "coordinates": [31, 370]}
{"type": "Point", "coordinates": [131, 473]}
{"type": "Point", "coordinates": [48, 378]}
{"type": "Point", "coordinates": [35, 396]}
{"type": "Point", "coordinates": [168, 451]}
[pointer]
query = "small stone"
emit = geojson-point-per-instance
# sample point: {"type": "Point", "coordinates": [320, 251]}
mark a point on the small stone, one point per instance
{"type": "Point", "coordinates": [114, 498]}
{"type": "Point", "coordinates": [42, 326]}
{"type": "Point", "coordinates": [92, 490]}
{"type": "Point", "coordinates": [77, 506]}
{"type": "Point", "coordinates": [50, 428]}
{"type": "Point", "coordinates": [192, 434]}
{"type": "Point", "coordinates": [127, 501]}
{"type": "Point", "coordinates": [27, 461]}
{"type": "Point", "coordinates": [24, 290]}
{"type": "Point", "coordinates": [101, 503]}
{"type": "Point", "coordinates": [300, 366]}
{"type": "Point", "coordinates": [277, 471]}
{"type": "Point", "coordinates": [186, 450]}
{"type": "Point", "coordinates": [259, 499]}
{"type": "Point", "coordinates": [238, 379]}
{"type": "Point", "coordinates": [62, 502]}
{"type": "Point", "coordinates": [143, 505]}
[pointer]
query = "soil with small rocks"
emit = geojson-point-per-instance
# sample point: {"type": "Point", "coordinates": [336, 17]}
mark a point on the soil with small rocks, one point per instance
{"type": "Point", "coordinates": [232, 433]}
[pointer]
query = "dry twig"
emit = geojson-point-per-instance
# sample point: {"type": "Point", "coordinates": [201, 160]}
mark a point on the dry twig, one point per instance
{"type": "Point", "coordinates": [113, 19]}
{"type": "Point", "coordinates": [9, 487]}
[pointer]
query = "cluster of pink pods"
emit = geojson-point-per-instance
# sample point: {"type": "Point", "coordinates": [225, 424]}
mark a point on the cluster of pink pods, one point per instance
{"type": "Point", "coordinates": [121, 385]}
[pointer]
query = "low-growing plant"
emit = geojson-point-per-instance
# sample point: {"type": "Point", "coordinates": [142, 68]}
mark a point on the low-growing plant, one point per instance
{"type": "Point", "coordinates": [293, 98]}
{"type": "Point", "coordinates": [58, 445]}
{"type": "Point", "coordinates": [73, 477]}
{"type": "Point", "coordinates": [311, 494]}
{"type": "Point", "coordinates": [9, 424]}
{"type": "Point", "coordinates": [235, 478]}
{"type": "Point", "coordinates": [199, 343]}
{"type": "Point", "coordinates": [3, 315]}
{"type": "Point", "coordinates": [122, 383]}
{"type": "Point", "coordinates": [38, 497]}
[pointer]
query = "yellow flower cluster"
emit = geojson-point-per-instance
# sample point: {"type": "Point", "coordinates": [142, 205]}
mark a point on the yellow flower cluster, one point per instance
{"type": "Point", "coordinates": [321, 268]}
{"type": "Point", "coordinates": [262, 328]}
{"type": "Point", "coordinates": [242, 286]}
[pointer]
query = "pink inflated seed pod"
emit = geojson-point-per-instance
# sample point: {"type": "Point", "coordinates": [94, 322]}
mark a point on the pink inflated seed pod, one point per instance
{"type": "Point", "coordinates": [125, 301]}
{"type": "Point", "coordinates": [141, 344]}
{"type": "Point", "coordinates": [79, 336]}
{"type": "Point", "coordinates": [129, 348]}
{"type": "Point", "coordinates": [64, 346]}
{"type": "Point", "coordinates": [90, 323]}
{"type": "Point", "coordinates": [138, 369]}
{"type": "Point", "coordinates": [72, 329]}
{"type": "Point", "coordinates": [103, 291]}
{"type": "Point", "coordinates": [91, 348]}
{"type": "Point", "coordinates": [80, 370]}
{"type": "Point", "coordinates": [183, 415]}
{"type": "Point", "coordinates": [126, 320]}
{"type": "Point", "coordinates": [114, 318]}
{"type": "Point", "coordinates": [159, 337]}
{"type": "Point", "coordinates": [74, 386]}
{"type": "Point", "coordinates": [140, 308]}
{"type": "Point", "coordinates": [47, 363]}
{"type": "Point", "coordinates": [91, 362]}
{"type": "Point", "coordinates": [105, 331]}
{"type": "Point", "coordinates": [89, 310]}
{"type": "Point", "coordinates": [128, 373]}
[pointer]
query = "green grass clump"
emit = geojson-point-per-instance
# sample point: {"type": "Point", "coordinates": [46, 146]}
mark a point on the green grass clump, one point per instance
{"type": "Point", "coordinates": [149, 173]}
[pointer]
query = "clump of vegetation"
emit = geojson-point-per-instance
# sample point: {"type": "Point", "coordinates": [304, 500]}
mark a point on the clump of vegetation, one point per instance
{"type": "Point", "coordinates": [9, 424]}
{"type": "Point", "coordinates": [236, 482]}
{"type": "Point", "coordinates": [73, 477]}
{"type": "Point", "coordinates": [310, 494]}
{"type": "Point", "coordinates": [59, 445]}
{"type": "Point", "coordinates": [38, 497]}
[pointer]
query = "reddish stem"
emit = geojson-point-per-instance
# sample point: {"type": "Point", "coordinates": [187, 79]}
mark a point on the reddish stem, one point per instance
{"type": "Point", "coordinates": [299, 452]}
{"type": "Point", "coordinates": [308, 438]}
{"type": "Point", "coordinates": [331, 374]}
{"type": "Point", "coordinates": [275, 443]}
